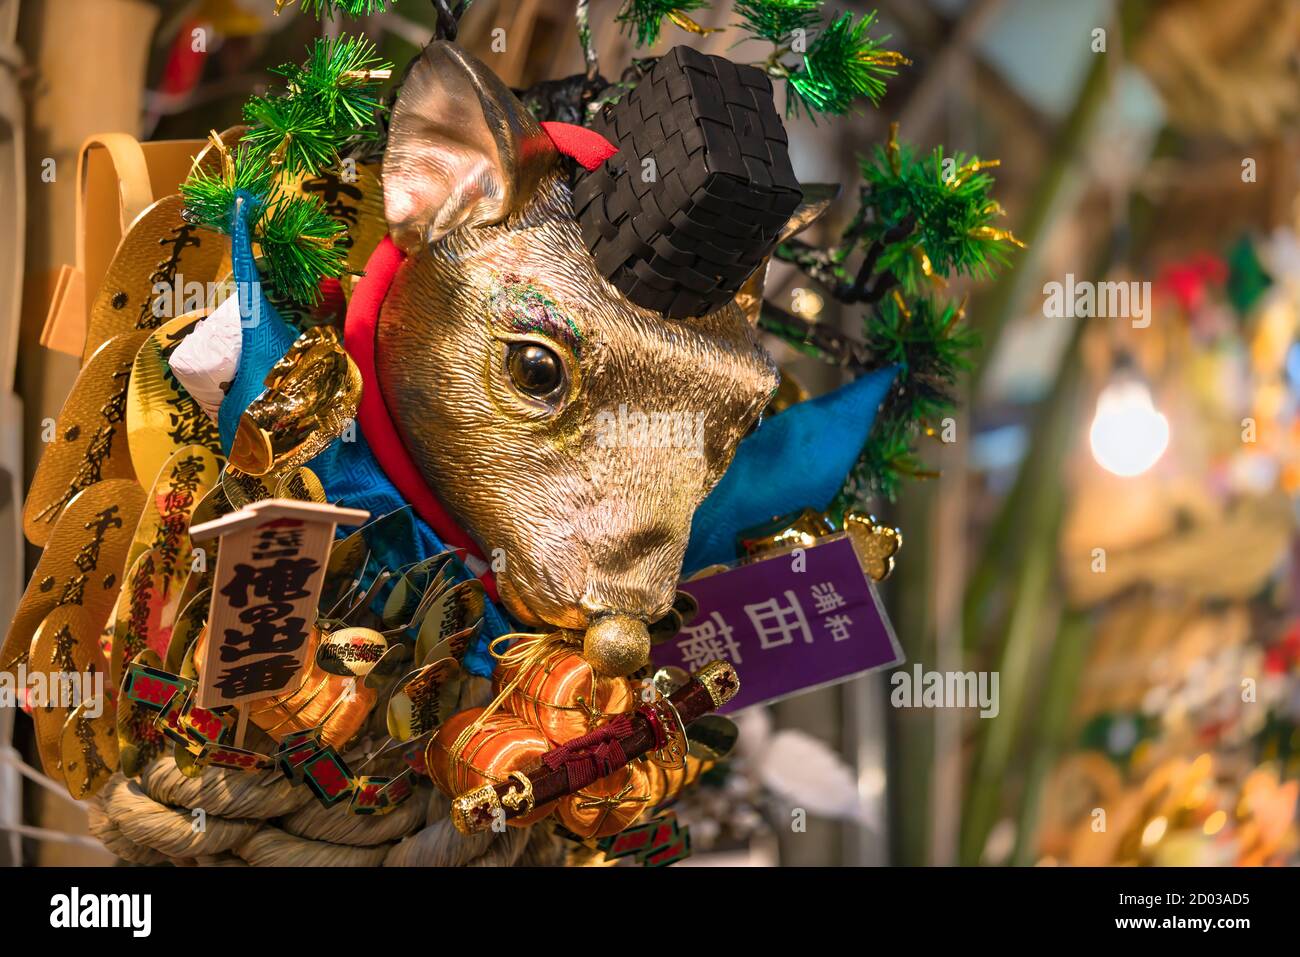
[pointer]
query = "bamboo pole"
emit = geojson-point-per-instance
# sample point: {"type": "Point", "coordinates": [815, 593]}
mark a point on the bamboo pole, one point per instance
{"type": "Point", "coordinates": [1069, 654]}
{"type": "Point", "coordinates": [1043, 211]}
{"type": "Point", "coordinates": [1033, 583]}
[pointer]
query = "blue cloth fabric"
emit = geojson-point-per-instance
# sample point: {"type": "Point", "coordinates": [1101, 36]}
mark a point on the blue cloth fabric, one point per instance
{"type": "Point", "coordinates": [794, 460]}
{"type": "Point", "coordinates": [348, 470]}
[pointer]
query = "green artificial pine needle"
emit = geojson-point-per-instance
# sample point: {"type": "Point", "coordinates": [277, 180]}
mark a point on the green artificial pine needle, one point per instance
{"type": "Point", "coordinates": [644, 18]}
{"type": "Point", "coordinates": [777, 20]}
{"type": "Point", "coordinates": [299, 241]}
{"type": "Point", "coordinates": [210, 196]}
{"type": "Point", "coordinates": [290, 133]}
{"type": "Point", "coordinates": [301, 130]}
{"type": "Point", "coordinates": [337, 80]}
{"type": "Point", "coordinates": [349, 8]}
{"type": "Point", "coordinates": [328, 100]}
{"type": "Point", "coordinates": [843, 65]}
{"type": "Point", "coordinates": [918, 221]}
{"type": "Point", "coordinates": [931, 346]}
{"type": "Point", "coordinates": [950, 200]}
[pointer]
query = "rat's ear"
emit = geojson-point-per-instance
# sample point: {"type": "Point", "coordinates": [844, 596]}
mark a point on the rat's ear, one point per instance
{"type": "Point", "coordinates": [462, 150]}
{"type": "Point", "coordinates": [817, 199]}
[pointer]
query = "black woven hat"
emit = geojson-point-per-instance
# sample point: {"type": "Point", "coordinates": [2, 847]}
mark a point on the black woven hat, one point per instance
{"type": "Point", "coordinates": [699, 190]}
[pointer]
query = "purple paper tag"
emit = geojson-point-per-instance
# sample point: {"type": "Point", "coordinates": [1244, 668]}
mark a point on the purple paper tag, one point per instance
{"type": "Point", "coordinates": [788, 623]}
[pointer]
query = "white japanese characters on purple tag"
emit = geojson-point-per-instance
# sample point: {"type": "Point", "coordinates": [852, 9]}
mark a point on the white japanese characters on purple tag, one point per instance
{"type": "Point", "coordinates": [788, 624]}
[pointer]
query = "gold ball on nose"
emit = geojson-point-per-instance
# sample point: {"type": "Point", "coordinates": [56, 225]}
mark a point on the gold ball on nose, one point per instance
{"type": "Point", "coordinates": [616, 645]}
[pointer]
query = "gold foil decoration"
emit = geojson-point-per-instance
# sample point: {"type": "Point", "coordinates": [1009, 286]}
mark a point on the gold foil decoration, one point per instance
{"type": "Point", "coordinates": [969, 169]}
{"type": "Point", "coordinates": [89, 443]}
{"type": "Point", "coordinates": [311, 396]}
{"type": "Point", "coordinates": [927, 268]}
{"type": "Point", "coordinates": [353, 652]}
{"type": "Point", "coordinates": [343, 570]}
{"type": "Point", "coordinates": [89, 746]}
{"type": "Point", "coordinates": [159, 257]}
{"type": "Point", "coordinates": [138, 741]}
{"type": "Point", "coordinates": [666, 628]}
{"type": "Point", "coordinates": [668, 784]}
{"type": "Point", "coordinates": [797, 530]}
{"type": "Point", "coordinates": [455, 610]}
{"type": "Point", "coordinates": [886, 58]}
{"type": "Point", "coordinates": [712, 737]}
{"type": "Point", "coordinates": [196, 581]}
{"type": "Point", "coordinates": [186, 629]}
{"type": "Point", "coordinates": [424, 699]}
{"type": "Point", "coordinates": [875, 544]}
{"type": "Point", "coordinates": [63, 657]}
{"type": "Point", "coordinates": [301, 485]}
{"type": "Point", "coordinates": [82, 563]}
{"type": "Point", "coordinates": [242, 489]}
{"type": "Point", "coordinates": [682, 21]}
{"type": "Point", "coordinates": [184, 480]}
{"type": "Point", "coordinates": [161, 417]}
{"type": "Point", "coordinates": [901, 303]}
{"type": "Point", "coordinates": [213, 505]}
{"type": "Point", "coordinates": [997, 235]}
{"type": "Point", "coordinates": [143, 612]}
{"type": "Point", "coordinates": [454, 645]}
{"type": "Point", "coordinates": [414, 593]}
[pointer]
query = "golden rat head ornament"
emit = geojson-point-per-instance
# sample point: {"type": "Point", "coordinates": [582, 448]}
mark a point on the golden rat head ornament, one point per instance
{"type": "Point", "coordinates": [570, 428]}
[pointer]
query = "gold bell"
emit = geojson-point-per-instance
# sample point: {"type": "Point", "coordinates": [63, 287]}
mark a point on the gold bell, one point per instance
{"type": "Point", "coordinates": [616, 645]}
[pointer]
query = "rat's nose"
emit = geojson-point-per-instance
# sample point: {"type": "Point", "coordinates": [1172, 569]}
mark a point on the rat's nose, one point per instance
{"type": "Point", "coordinates": [616, 645]}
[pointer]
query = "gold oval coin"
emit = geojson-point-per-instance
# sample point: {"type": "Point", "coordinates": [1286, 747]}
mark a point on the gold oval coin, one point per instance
{"type": "Point", "coordinates": [64, 669]}
{"type": "Point", "coordinates": [82, 563]}
{"type": "Point", "coordinates": [89, 742]}
{"type": "Point", "coordinates": [161, 417]}
{"type": "Point", "coordinates": [89, 441]}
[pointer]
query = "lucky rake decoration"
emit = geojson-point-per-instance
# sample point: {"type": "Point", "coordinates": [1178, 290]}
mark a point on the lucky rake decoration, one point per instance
{"type": "Point", "coordinates": [470, 310]}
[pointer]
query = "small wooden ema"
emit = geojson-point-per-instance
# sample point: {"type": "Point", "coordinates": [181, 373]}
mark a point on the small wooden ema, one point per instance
{"type": "Point", "coordinates": [270, 569]}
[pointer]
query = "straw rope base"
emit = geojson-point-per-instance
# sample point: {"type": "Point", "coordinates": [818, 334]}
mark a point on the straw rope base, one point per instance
{"type": "Point", "coordinates": [262, 820]}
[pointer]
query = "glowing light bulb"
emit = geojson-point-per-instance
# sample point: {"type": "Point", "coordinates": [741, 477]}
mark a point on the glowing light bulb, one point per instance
{"type": "Point", "coordinates": [1128, 435]}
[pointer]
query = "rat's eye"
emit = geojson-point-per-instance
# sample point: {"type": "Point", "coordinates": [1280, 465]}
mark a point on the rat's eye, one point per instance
{"type": "Point", "coordinates": [535, 370]}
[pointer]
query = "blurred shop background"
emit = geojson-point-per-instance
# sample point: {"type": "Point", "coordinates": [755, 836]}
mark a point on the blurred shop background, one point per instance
{"type": "Point", "coordinates": [1114, 530]}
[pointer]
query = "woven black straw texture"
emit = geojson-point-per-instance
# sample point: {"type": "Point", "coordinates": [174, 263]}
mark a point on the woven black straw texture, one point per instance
{"type": "Point", "coordinates": [682, 233]}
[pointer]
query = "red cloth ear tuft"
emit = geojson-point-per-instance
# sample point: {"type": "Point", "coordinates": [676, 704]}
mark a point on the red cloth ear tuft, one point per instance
{"type": "Point", "coordinates": [586, 146]}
